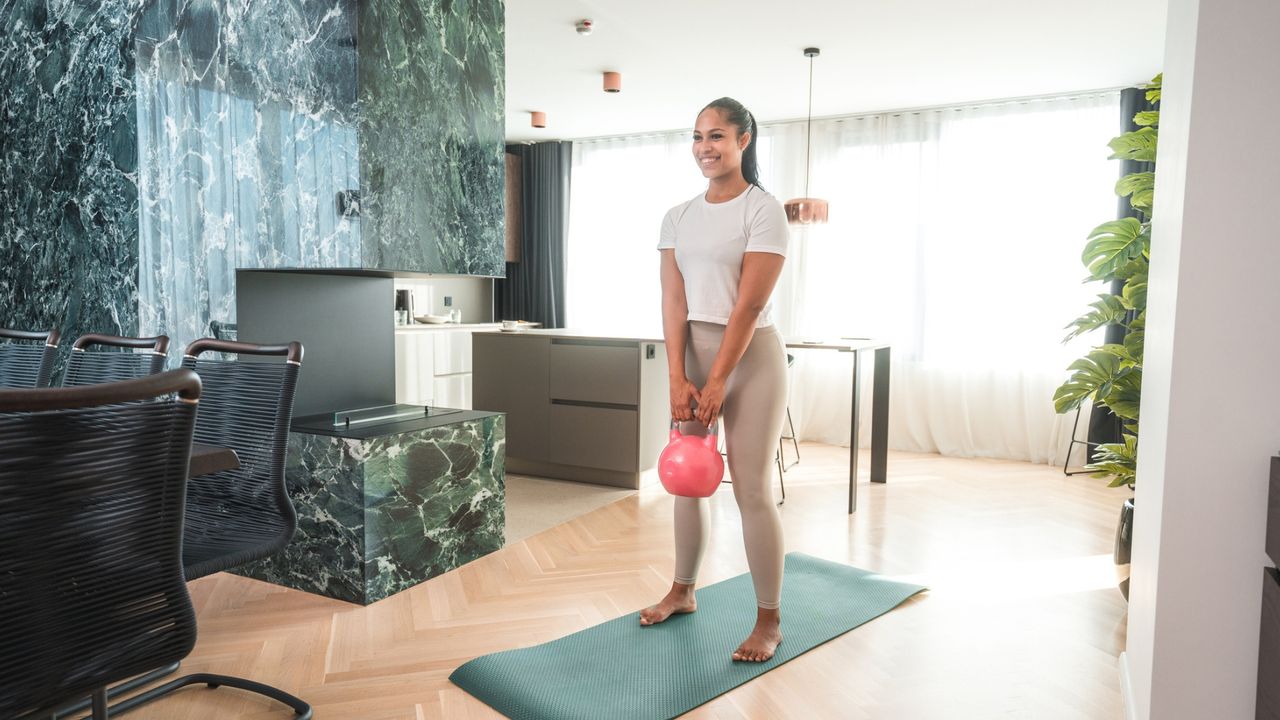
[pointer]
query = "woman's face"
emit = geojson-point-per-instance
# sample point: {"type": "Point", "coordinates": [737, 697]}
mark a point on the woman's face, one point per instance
{"type": "Point", "coordinates": [717, 145]}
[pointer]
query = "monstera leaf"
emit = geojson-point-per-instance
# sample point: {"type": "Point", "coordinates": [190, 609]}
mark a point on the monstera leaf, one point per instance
{"type": "Point", "coordinates": [1147, 118]}
{"type": "Point", "coordinates": [1134, 295]}
{"type": "Point", "coordinates": [1108, 309]}
{"type": "Point", "coordinates": [1114, 245]}
{"type": "Point", "coordinates": [1137, 145]}
{"type": "Point", "coordinates": [1093, 373]}
{"type": "Point", "coordinates": [1134, 342]}
{"type": "Point", "coordinates": [1139, 187]}
{"type": "Point", "coordinates": [1125, 393]}
{"type": "Point", "coordinates": [1119, 460]}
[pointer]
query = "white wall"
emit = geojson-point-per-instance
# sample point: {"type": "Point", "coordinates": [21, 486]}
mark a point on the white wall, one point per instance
{"type": "Point", "coordinates": [1211, 390]}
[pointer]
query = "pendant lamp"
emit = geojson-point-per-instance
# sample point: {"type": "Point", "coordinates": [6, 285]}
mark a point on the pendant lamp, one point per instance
{"type": "Point", "coordinates": [807, 210]}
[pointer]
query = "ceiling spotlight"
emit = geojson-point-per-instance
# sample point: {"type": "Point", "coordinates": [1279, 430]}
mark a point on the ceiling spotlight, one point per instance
{"type": "Point", "coordinates": [538, 119]}
{"type": "Point", "coordinates": [585, 26]}
{"type": "Point", "coordinates": [613, 82]}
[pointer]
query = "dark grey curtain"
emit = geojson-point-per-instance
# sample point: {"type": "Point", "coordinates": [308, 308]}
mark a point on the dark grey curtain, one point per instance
{"type": "Point", "coordinates": [534, 287]}
{"type": "Point", "coordinates": [1103, 426]}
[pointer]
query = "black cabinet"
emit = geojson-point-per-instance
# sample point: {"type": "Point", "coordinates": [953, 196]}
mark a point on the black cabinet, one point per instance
{"type": "Point", "coordinates": [1269, 636]}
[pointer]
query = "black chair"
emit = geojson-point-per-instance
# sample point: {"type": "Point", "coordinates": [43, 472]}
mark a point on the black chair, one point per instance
{"type": "Point", "coordinates": [90, 367]}
{"type": "Point", "coordinates": [222, 330]}
{"type": "Point", "coordinates": [780, 459]}
{"type": "Point", "coordinates": [92, 484]}
{"type": "Point", "coordinates": [26, 358]}
{"type": "Point", "coordinates": [237, 516]}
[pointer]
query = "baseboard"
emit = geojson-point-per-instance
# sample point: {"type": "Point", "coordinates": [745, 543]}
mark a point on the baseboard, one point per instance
{"type": "Point", "coordinates": [536, 468]}
{"type": "Point", "coordinates": [1126, 688]}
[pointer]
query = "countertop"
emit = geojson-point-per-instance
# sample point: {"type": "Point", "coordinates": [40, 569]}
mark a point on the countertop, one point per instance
{"type": "Point", "coordinates": [458, 326]}
{"type": "Point", "coordinates": [322, 424]}
{"type": "Point", "coordinates": [578, 334]}
{"type": "Point", "coordinates": [842, 344]}
{"type": "Point", "coordinates": [448, 326]}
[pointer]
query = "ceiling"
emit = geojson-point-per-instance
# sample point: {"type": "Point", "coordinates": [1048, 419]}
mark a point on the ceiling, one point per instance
{"type": "Point", "coordinates": [677, 55]}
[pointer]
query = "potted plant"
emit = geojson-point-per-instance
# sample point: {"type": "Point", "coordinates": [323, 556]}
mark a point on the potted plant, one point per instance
{"type": "Point", "coordinates": [1118, 253]}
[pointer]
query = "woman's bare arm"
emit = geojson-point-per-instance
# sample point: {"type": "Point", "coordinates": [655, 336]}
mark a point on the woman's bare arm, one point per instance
{"type": "Point", "coordinates": [675, 331]}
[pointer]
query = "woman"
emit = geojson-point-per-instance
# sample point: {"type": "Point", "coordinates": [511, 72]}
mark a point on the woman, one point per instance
{"type": "Point", "coordinates": [722, 253]}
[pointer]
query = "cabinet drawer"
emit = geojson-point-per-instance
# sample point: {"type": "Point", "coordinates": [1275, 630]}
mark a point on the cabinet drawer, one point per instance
{"type": "Point", "coordinates": [595, 373]}
{"type": "Point", "coordinates": [593, 437]}
{"type": "Point", "coordinates": [453, 352]}
{"type": "Point", "coordinates": [415, 356]}
{"type": "Point", "coordinates": [453, 391]}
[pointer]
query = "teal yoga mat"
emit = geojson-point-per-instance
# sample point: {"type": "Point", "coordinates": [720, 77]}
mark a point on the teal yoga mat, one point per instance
{"type": "Point", "coordinates": [623, 671]}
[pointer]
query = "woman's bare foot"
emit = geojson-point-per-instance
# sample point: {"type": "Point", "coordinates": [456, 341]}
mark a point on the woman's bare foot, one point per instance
{"type": "Point", "coordinates": [764, 638]}
{"type": "Point", "coordinates": [679, 599]}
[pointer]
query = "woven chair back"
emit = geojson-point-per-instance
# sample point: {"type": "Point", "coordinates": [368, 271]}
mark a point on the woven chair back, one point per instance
{"type": "Point", "coordinates": [240, 515]}
{"type": "Point", "coordinates": [92, 498]}
{"type": "Point", "coordinates": [110, 358]}
{"type": "Point", "coordinates": [26, 358]}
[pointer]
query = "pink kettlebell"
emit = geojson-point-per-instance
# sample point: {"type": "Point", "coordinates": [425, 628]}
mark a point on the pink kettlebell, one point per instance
{"type": "Point", "coordinates": [691, 466]}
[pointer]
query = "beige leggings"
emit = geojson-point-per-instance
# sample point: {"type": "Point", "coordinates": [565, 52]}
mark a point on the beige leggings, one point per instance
{"type": "Point", "coordinates": [755, 404]}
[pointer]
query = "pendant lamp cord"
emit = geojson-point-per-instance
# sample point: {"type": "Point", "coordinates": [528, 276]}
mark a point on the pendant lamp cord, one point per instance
{"type": "Point", "coordinates": [809, 130]}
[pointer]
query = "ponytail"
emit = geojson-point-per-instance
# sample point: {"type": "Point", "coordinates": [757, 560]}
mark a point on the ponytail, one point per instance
{"type": "Point", "coordinates": [742, 118]}
{"type": "Point", "coordinates": [750, 164]}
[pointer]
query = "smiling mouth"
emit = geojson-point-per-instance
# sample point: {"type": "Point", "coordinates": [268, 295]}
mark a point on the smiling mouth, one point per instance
{"type": "Point", "coordinates": [706, 161]}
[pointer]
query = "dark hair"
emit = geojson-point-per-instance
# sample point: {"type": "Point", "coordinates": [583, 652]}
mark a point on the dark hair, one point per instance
{"type": "Point", "coordinates": [741, 117]}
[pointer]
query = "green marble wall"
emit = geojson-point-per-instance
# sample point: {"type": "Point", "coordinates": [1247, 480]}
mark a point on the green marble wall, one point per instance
{"type": "Point", "coordinates": [431, 77]}
{"type": "Point", "coordinates": [381, 515]}
{"type": "Point", "coordinates": [149, 148]}
{"type": "Point", "coordinates": [68, 166]}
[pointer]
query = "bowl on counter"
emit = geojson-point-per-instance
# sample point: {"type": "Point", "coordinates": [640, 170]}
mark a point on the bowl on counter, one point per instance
{"type": "Point", "coordinates": [432, 319]}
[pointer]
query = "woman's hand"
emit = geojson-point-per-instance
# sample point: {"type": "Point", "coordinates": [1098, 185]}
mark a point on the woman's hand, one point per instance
{"type": "Point", "coordinates": [710, 400]}
{"type": "Point", "coordinates": [683, 395]}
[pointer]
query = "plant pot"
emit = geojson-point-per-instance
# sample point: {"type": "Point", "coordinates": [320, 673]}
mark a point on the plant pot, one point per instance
{"type": "Point", "coordinates": [1124, 546]}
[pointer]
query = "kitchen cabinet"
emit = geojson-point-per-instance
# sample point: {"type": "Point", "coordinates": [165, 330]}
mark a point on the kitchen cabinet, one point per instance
{"type": "Point", "coordinates": [579, 407]}
{"type": "Point", "coordinates": [433, 364]}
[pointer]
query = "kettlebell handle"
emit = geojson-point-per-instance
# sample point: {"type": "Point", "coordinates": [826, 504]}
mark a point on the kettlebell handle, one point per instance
{"type": "Point", "coordinates": [712, 429]}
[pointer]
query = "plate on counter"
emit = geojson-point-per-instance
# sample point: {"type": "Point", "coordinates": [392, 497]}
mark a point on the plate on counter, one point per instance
{"type": "Point", "coordinates": [519, 326]}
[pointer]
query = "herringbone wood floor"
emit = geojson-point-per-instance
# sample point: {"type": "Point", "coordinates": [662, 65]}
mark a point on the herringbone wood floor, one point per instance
{"type": "Point", "coordinates": [1022, 620]}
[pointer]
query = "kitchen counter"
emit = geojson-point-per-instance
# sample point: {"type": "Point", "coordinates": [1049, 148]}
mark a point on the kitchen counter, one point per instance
{"type": "Point", "coordinates": [579, 334]}
{"type": "Point", "coordinates": [584, 406]}
{"type": "Point", "coordinates": [447, 326]}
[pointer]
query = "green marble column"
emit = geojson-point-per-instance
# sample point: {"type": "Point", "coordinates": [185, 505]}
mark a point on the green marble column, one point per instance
{"type": "Point", "coordinates": [431, 135]}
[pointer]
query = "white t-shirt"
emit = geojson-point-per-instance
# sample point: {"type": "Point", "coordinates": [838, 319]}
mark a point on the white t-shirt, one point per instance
{"type": "Point", "coordinates": [710, 239]}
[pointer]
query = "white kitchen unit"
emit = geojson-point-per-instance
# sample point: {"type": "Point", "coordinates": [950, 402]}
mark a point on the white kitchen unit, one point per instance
{"type": "Point", "coordinates": [433, 364]}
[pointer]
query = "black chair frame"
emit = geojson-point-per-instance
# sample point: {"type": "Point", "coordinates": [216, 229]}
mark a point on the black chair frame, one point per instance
{"type": "Point", "coordinates": [88, 368]}
{"type": "Point", "coordinates": [100, 593]}
{"type": "Point", "coordinates": [206, 547]}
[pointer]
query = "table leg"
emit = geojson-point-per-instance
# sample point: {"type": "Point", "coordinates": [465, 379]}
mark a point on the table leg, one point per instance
{"type": "Point", "coordinates": [853, 438]}
{"type": "Point", "coordinates": [880, 417]}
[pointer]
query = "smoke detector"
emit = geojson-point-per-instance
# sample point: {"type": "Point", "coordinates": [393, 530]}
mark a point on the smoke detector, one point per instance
{"type": "Point", "coordinates": [585, 26]}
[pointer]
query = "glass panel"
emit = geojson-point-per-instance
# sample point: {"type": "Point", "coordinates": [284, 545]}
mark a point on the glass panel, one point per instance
{"type": "Point", "coordinates": [380, 414]}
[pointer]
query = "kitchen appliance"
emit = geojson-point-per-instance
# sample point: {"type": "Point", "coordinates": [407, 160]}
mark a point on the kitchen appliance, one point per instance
{"type": "Point", "coordinates": [404, 306]}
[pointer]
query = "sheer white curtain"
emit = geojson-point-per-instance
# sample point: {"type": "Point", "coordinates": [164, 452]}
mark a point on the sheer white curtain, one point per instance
{"type": "Point", "coordinates": [955, 233]}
